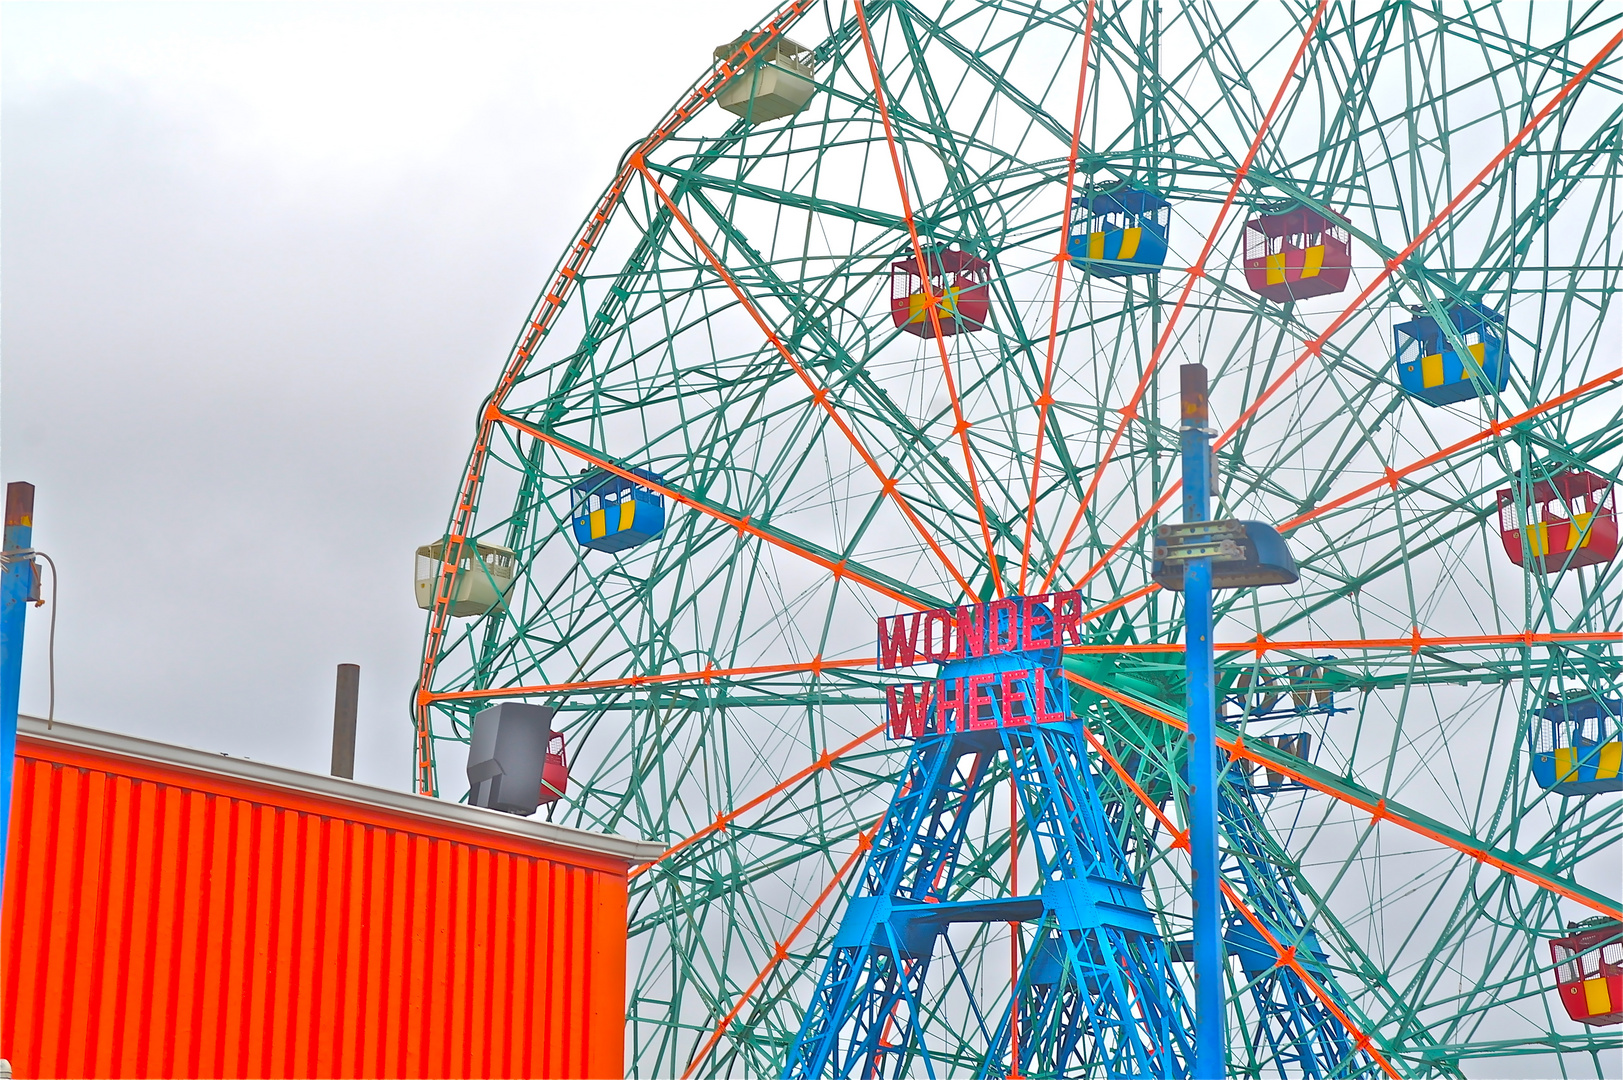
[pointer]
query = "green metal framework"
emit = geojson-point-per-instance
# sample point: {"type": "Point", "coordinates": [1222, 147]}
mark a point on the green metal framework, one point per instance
{"type": "Point", "coordinates": [724, 319]}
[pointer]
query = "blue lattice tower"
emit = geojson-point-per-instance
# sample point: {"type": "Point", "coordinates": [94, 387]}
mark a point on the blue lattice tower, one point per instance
{"type": "Point", "coordinates": [1306, 1038]}
{"type": "Point", "coordinates": [1095, 992]}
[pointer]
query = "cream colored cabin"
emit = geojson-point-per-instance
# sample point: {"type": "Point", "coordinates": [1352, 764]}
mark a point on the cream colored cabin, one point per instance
{"type": "Point", "coordinates": [477, 587]}
{"type": "Point", "coordinates": [778, 84]}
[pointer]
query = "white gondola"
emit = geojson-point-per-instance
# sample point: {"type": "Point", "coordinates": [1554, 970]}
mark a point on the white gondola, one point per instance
{"type": "Point", "coordinates": [776, 84]}
{"type": "Point", "coordinates": [477, 587]}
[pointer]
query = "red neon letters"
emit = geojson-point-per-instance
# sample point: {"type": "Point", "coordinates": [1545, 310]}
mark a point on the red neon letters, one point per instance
{"type": "Point", "coordinates": [973, 630]}
{"type": "Point", "coordinates": [986, 699]}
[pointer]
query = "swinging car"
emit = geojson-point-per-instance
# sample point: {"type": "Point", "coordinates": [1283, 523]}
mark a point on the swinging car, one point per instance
{"type": "Point", "coordinates": [1576, 523]}
{"type": "Point", "coordinates": [477, 588]}
{"type": "Point", "coordinates": [555, 771]}
{"type": "Point", "coordinates": [611, 513]}
{"type": "Point", "coordinates": [1121, 232]}
{"type": "Point", "coordinates": [777, 83]}
{"type": "Point", "coordinates": [1295, 255]}
{"type": "Point", "coordinates": [1577, 746]}
{"type": "Point", "coordinates": [959, 282]}
{"type": "Point", "coordinates": [1431, 369]}
{"type": "Point", "coordinates": [1589, 970]}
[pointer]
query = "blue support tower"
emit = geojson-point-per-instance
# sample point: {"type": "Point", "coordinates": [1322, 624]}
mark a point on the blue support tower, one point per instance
{"type": "Point", "coordinates": [1095, 993]}
{"type": "Point", "coordinates": [1202, 714]}
{"type": "Point", "coordinates": [19, 584]}
{"type": "Point", "coordinates": [1305, 1037]}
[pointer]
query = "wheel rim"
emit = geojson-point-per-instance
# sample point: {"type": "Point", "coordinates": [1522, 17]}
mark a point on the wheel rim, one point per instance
{"type": "Point", "coordinates": [655, 362]}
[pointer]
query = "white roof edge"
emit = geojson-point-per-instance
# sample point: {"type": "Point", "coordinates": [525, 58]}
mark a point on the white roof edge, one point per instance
{"type": "Point", "coordinates": [630, 851]}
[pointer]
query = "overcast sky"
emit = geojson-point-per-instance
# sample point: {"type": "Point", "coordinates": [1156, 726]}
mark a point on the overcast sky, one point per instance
{"type": "Point", "coordinates": [260, 263]}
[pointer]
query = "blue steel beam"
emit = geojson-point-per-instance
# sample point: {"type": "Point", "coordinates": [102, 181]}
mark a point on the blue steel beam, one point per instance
{"type": "Point", "coordinates": [1095, 993]}
{"type": "Point", "coordinates": [1196, 439]}
{"type": "Point", "coordinates": [17, 587]}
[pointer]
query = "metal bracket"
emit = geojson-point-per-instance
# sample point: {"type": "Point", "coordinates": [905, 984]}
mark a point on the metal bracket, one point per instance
{"type": "Point", "coordinates": [1217, 540]}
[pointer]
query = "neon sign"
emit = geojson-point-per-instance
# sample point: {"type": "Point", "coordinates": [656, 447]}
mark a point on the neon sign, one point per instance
{"type": "Point", "coordinates": [1000, 664]}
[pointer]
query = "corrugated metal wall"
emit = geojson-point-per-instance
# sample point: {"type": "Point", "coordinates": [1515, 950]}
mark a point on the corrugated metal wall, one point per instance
{"type": "Point", "coordinates": [166, 922]}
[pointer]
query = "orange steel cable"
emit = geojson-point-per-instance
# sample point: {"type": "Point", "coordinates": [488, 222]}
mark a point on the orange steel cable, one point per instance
{"type": "Point", "coordinates": [543, 315]}
{"type": "Point", "coordinates": [1287, 957]}
{"type": "Point", "coordinates": [1193, 275]}
{"type": "Point", "coordinates": [1314, 347]}
{"type": "Point", "coordinates": [1413, 643]}
{"type": "Point", "coordinates": [825, 760]}
{"type": "Point", "coordinates": [1120, 601]}
{"type": "Point", "coordinates": [820, 394]}
{"type": "Point", "coordinates": [1394, 475]}
{"type": "Point", "coordinates": [742, 524]}
{"type": "Point", "coordinates": [1061, 260]}
{"type": "Point", "coordinates": [781, 952]}
{"type": "Point", "coordinates": [961, 427]}
{"type": "Point", "coordinates": [1380, 810]}
{"type": "Point", "coordinates": [704, 675]}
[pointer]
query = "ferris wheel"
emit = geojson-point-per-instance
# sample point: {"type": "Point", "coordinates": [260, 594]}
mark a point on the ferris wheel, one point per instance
{"type": "Point", "coordinates": [885, 318]}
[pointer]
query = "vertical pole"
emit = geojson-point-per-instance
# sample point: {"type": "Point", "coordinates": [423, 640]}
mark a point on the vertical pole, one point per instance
{"type": "Point", "coordinates": [1202, 714]}
{"type": "Point", "coordinates": [343, 720]}
{"type": "Point", "coordinates": [16, 588]}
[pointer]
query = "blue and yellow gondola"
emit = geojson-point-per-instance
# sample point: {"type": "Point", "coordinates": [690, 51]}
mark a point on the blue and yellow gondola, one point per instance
{"type": "Point", "coordinates": [1577, 746]}
{"type": "Point", "coordinates": [612, 513]}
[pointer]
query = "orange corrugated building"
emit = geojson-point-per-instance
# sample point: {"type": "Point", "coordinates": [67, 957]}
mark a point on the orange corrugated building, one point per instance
{"type": "Point", "coordinates": [169, 912]}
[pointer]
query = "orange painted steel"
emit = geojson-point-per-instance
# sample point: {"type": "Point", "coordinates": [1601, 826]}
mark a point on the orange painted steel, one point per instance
{"type": "Point", "coordinates": [1379, 810]}
{"type": "Point", "coordinates": [1193, 274]}
{"type": "Point", "coordinates": [542, 316]}
{"type": "Point", "coordinates": [820, 394]}
{"type": "Point", "coordinates": [631, 682]}
{"type": "Point", "coordinates": [1394, 475]}
{"type": "Point", "coordinates": [1314, 347]}
{"type": "Point", "coordinates": [162, 920]}
{"type": "Point", "coordinates": [742, 524]}
{"type": "Point", "coordinates": [1046, 398]}
{"type": "Point", "coordinates": [825, 760]}
{"type": "Point", "coordinates": [1287, 956]}
{"type": "Point", "coordinates": [1390, 267]}
{"type": "Point", "coordinates": [933, 306]}
{"type": "Point", "coordinates": [781, 952]}
{"type": "Point", "coordinates": [1413, 643]}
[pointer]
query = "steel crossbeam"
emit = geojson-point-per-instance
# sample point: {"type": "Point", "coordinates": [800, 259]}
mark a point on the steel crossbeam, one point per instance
{"type": "Point", "coordinates": [1095, 992]}
{"type": "Point", "coordinates": [1306, 1038]}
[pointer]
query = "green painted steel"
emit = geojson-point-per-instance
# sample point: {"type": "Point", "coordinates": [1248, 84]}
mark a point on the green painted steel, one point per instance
{"type": "Point", "coordinates": [656, 359]}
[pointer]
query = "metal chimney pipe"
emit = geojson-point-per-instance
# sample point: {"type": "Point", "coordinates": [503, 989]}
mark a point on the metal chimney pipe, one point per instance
{"type": "Point", "coordinates": [343, 720]}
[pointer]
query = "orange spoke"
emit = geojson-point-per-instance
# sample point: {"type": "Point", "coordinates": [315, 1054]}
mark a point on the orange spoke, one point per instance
{"type": "Point", "coordinates": [1411, 644]}
{"type": "Point", "coordinates": [1193, 275]}
{"type": "Point", "coordinates": [632, 682]}
{"type": "Point", "coordinates": [932, 306]}
{"type": "Point", "coordinates": [1061, 260]}
{"type": "Point", "coordinates": [542, 316]}
{"type": "Point", "coordinates": [820, 394]}
{"type": "Point", "coordinates": [825, 760]}
{"type": "Point", "coordinates": [781, 952]}
{"type": "Point", "coordinates": [1287, 957]}
{"type": "Point", "coordinates": [1394, 475]}
{"type": "Point", "coordinates": [1379, 810]}
{"type": "Point", "coordinates": [839, 569]}
{"type": "Point", "coordinates": [1120, 601]}
{"type": "Point", "coordinates": [1126, 537]}
{"type": "Point", "coordinates": [1314, 347]}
